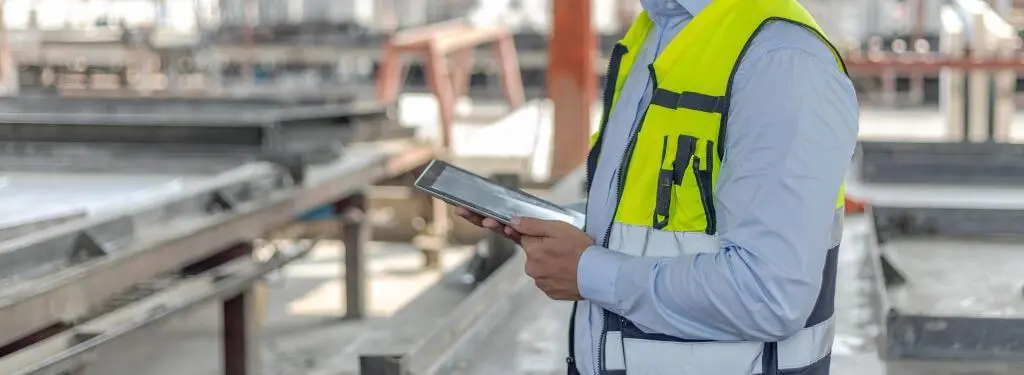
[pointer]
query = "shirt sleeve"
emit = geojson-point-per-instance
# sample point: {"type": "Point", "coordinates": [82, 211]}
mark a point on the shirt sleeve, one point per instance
{"type": "Point", "coordinates": [792, 130]}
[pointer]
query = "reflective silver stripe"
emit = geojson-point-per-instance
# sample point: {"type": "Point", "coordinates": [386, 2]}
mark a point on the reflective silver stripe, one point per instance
{"type": "Point", "coordinates": [837, 227]}
{"type": "Point", "coordinates": [689, 358]}
{"type": "Point", "coordinates": [638, 356]}
{"type": "Point", "coordinates": [806, 347]}
{"type": "Point", "coordinates": [649, 242]}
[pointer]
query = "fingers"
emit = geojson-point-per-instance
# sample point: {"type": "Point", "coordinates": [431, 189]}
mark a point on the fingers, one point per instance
{"type": "Point", "coordinates": [530, 243]}
{"type": "Point", "coordinates": [514, 236]}
{"type": "Point", "coordinates": [536, 227]}
{"type": "Point", "coordinates": [488, 223]}
{"type": "Point", "coordinates": [470, 216]}
{"type": "Point", "coordinates": [492, 224]}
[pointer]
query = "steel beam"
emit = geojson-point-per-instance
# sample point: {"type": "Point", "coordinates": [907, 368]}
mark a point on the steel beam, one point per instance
{"type": "Point", "coordinates": [927, 64]}
{"type": "Point", "coordinates": [230, 283]}
{"type": "Point", "coordinates": [71, 293]}
{"type": "Point", "coordinates": [570, 84]}
{"type": "Point", "coordinates": [934, 162]}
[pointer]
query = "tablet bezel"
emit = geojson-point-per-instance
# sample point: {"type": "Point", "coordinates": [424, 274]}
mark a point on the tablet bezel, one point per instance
{"type": "Point", "coordinates": [433, 170]}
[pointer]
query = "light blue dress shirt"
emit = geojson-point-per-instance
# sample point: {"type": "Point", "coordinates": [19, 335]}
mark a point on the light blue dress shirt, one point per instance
{"type": "Point", "coordinates": [792, 131]}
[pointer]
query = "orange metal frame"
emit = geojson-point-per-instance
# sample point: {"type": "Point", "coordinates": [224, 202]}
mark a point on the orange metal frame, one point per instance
{"type": "Point", "coordinates": [878, 62]}
{"type": "Point", "coordinates": [572, 84]}
{"type": "Point", "coordinates": [434, 44]}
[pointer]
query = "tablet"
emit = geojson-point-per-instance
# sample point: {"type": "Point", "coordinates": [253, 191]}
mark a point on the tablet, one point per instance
{"type": "Point", "coordinates": [460, 187]}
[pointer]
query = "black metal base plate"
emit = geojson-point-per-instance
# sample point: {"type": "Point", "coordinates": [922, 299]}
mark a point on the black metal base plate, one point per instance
{"type": "Point", "coordinates": [958, 291]}
{"type": "Point", "coordinates": [955, 163]}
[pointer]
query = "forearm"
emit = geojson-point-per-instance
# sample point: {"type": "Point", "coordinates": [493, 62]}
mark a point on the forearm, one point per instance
{"type": "Point", "coordinates": [731, 295]}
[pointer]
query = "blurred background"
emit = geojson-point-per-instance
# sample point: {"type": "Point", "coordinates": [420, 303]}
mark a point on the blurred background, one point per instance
{"type": "Point", "coordinates": [225, 186]}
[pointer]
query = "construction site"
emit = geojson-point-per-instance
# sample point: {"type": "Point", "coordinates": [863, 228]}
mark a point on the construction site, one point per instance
{"type": "Point", "coordinates": [226, 186]}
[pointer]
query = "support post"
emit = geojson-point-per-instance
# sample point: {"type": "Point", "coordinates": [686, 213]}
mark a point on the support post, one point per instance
{"type": "Point", "coordinates": [389, 75]}
{"type": "Point", "coordinates": [978, 81]}
{"type": "Point", "coordinates": [241, 335]}
{"type": "Point", "coordinates": [571, 79]}
{"type": "Point", "coordinates": [8, 69]}
{"type": "Point", "coordinates": [434, 233]}
{"type": "Point", "coordinates": [511, 76]}
{"type": "Point", "coordinates": [1004, 39]}
{"type": "Point", "coordinates": [440, 81]}
{"type": "Point", "coordinates": [463, 72]}
{"type": "Point", "coordinates": [241, 325]}
{"type": "Point", "coordinates": [355, 233]}
{"type": "Point", "coordinates": [951, 80]}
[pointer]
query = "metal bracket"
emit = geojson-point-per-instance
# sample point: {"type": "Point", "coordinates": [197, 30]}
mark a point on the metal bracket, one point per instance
{"type": "Point", "coordinates": [293, 163]}
{"type": "Point", "coordinates": [86, 248]}
{"type": "Point", "coordinates": [220, 202]}
{"type": "Point", "coordinates": [892, 274]}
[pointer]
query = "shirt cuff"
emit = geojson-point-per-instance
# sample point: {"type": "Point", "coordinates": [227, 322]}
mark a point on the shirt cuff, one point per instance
{"type": "Point", "coordinates": [597, 274]}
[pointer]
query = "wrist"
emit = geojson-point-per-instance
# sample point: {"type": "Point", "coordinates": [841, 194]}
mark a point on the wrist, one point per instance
{"type": "Point", "coordinates": [597, 274]}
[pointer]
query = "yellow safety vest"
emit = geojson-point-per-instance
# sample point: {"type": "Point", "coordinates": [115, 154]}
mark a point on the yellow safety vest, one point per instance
{"type": "Point", "coordinates": [666, 195]}
{"type": "Point", "coordinates": [675, 156]}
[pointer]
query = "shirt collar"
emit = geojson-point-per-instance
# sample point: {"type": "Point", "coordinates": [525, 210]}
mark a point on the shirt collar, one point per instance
{"type": "Point", "coordinates": [665, 12]}
{"type": "Point", "coordinates": [694, 6]}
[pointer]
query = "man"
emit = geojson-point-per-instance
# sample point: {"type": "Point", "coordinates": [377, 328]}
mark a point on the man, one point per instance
{"type": "Point", "coordinates": [715, 198]}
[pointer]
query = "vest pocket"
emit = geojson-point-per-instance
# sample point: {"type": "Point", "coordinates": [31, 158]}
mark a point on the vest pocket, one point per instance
{"type": "Point", "coordinates": [671, 174]}
{"type": "Point", "coordinates": [684, 199]}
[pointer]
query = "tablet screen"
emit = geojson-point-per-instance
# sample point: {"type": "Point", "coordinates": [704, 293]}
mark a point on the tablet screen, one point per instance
{"type": "Point", "coordinates": [479, 194]}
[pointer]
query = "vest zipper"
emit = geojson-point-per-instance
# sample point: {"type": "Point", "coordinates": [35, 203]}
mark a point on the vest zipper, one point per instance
{"type": "Point", "coordinates": [611, 80]}
{"type": "Point", "coordinates": [627, 157]}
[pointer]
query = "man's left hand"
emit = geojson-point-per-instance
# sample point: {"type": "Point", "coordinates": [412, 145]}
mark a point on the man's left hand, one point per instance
{"type": "Point", "coordinates": [553, 251]}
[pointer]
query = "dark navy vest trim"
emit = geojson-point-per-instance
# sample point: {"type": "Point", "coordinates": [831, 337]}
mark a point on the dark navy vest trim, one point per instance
{"type": "Point", "coordinates": [826, 304]}
{"type": "Point", "coordinates": [616, 323]}
{"type": "Point", "coordinates": [688, 100]}
{"type": "Point", "coordinates": [770, 358]}
{"type": "Point", "coordinates": [611, 77]}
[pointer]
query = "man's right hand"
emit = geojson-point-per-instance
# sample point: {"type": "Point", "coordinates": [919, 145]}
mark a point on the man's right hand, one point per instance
{"type": "Point", "coordinates": [488, 223]}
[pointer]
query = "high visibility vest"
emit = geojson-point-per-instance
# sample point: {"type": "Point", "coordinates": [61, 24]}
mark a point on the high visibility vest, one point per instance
{"type": "Point", "coordinates": [666, 193]}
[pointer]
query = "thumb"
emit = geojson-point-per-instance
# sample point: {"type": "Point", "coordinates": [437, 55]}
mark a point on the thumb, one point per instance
{"type": "Point", "coordinates": [532, 226]}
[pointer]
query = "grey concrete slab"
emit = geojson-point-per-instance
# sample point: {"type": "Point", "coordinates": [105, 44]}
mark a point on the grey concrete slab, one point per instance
{"type": "Point", "coordinates": [968, 278]}
{"type": "Point", "coordinates": [27, 196]}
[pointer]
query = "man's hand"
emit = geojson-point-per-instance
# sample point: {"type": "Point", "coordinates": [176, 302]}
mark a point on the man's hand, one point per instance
{"type": "Point", "coordinates": [486, 222]}
{"type": "Point", "coordinates": [553, 251]}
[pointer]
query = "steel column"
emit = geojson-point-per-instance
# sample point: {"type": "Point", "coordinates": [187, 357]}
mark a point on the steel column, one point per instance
{"type": "Point", "coordinates": [439, 79]}
{"type": "Point", "coordinates": [355, 233]}
{"type": "Point", "coordinates": [8, 69]}
{"type": "Point", "coordinates": [241, 331]}
{"type": "Point", "coordinates": [434, 233]}
{"type": "Point", "coordinates": [508, 65]}
{"type": "Point", "coordinates": [571, 81]}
